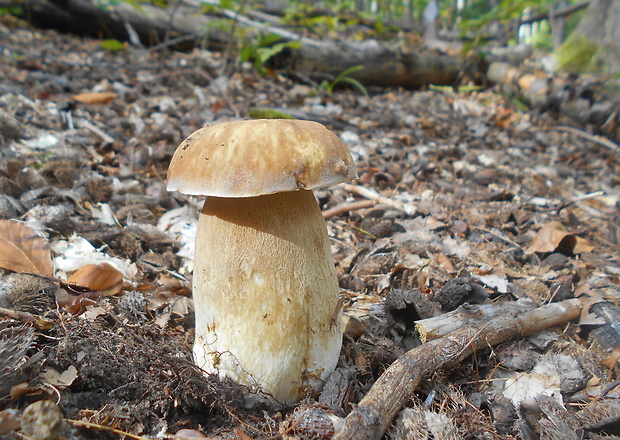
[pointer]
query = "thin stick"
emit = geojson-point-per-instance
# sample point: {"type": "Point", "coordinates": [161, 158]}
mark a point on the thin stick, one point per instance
{"type": "Point", "coordinates": [580, 199]}
{"type": "Point", "coordinates": [105, 428]}
{"type": "Point", "coordinates": [498, 235]}
{"type": "Point", "coordinates": [83, 123]}
{"type": "Point", "coordinates": [591, 137]}
{"type": "Point", "coordinates": [374, 195]}
{"type": "Point", "coordinates": [343, 208]}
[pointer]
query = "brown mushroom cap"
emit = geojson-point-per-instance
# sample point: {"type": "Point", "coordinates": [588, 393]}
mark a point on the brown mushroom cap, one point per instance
{"type": "Point", "coordinates": [257, 157]}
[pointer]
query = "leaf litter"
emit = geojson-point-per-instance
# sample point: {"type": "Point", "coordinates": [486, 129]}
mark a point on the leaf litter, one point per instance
{"type": "Point", "coordinates": [462, 199]}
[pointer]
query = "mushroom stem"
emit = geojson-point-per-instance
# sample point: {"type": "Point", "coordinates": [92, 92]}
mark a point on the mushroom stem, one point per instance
{"type": "Point", "coordinates": [266, 293]}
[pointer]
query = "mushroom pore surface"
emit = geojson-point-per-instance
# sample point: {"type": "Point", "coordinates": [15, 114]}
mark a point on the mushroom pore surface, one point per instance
{"type": "Point", "coordinates": [266, 293]}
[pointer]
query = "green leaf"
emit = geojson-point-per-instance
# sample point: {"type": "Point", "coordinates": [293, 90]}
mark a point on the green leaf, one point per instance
{"type": "Point", "coordinates": [112, 45]}
{"type": "Point", "coordinates": [268, 113]}
{"type": "Point", "coordinates": [15, 10]}
{"type": "Point", "coordinates": [357, 84]}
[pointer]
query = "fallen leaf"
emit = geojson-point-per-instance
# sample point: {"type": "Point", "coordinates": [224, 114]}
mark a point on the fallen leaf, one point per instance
{"type": "Point", "coordinates": [19, 390]}
{"type": "Point", "coordinates": [554, 237]}
{"type": "Point", "coordinates": [525, 386]}
{"type": "Point", "coordinates": [495, 282]}
{"type": "Point", "coordinates": [174, 285]}
{"type": "Point", "coordinates": [187, 434]}
{"type": "Point", "coordinates": [64, 379]}
{"type": "Point", "coordinates": [93, 312]}
{"type": "Point", "coordinates": [95, 98]}
{"type": "Point", "coordinates": [22, 250]}
{"type": "Point", "coordinates": [613, 358]}
{"type": "Point", "coordinates": [182, 306]}
{"type": "Point", "coordinates": [100, 277]}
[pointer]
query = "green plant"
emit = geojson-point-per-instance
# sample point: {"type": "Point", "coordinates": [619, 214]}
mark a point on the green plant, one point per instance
{"type": "Point", "coordinates": [14, 10]}
{"type": "Point", "coordinates": [474, 20]}
{"type": "Point", "coordinates": [262, 48]}
{"type": "Point", "coordinates": [112, 45]}
{"type": "Point", "coordinates": [328, 86]}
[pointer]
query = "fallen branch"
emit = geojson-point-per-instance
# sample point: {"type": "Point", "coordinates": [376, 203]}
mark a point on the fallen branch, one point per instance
{"type": "Point", "coordinates": [442, 325]}
{"type": "Point", "coordinates": [374, 414]}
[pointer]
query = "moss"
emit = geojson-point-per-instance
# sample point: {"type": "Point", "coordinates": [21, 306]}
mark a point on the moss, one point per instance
{"type": "Point", "coordinates": [578, 54]}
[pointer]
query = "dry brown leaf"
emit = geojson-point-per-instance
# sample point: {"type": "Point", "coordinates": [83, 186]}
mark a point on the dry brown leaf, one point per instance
{"type": "Point", "coordinates": [64, 379]}
{"type": "Point", "coordinates": [174, 285]}
{"type": "Point", "coordinates": [95, 98]}
{"type": "Point", "coordinates": [99, 277]}
{"type": "Point", "coordinates": [22, 250]}
{"type": "Point", "coordinates": [613, 358]}
{"type": "Point", "coordinates": [19, 390]}
{"type": "Point", "coordinates": [554, 237]}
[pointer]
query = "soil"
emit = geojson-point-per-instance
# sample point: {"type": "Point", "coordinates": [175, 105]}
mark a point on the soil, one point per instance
{"type": "Point", "coordinates": [462, 186]}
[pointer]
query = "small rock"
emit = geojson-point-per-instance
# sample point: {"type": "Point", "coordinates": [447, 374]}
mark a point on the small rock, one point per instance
{"type": "Point", "coordinates": [43, 420]}
{"type": "Point", "coordinates": [459, 290]}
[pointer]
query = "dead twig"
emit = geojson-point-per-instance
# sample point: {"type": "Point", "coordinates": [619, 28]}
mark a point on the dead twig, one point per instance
{"type": "Point", "coordinates": [374, 195]}
{"type": "Point", "coordinates": [374, 414]}
{"type": "Point", "coordinates": [579, 199]}
{"type": "Point", "coordinates": [83, 123]}
{"type": "Point", "coordinates": [347, 207]}
{"type": "Point", "coordinates": [105, 428]}
{"type": "Point", "coordinates": [591, 137]}
{"type": "Point", "coordinates": [39, 322]}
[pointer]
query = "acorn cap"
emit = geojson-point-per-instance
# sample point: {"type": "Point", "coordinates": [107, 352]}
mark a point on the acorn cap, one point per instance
{"type": "Point", "coordinates": [257, 157]}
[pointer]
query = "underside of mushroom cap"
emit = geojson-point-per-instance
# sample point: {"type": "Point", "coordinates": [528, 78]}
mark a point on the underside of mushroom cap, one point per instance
{"type": "Point", "coordinates": [257, 157]}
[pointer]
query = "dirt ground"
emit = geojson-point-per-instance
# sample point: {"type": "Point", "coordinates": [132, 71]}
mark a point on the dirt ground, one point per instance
{"type": "Point", "coordinates": [453, 194]}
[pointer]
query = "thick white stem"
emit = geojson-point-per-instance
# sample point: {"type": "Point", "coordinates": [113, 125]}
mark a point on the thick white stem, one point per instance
{"type": "Point", "coordinates": [266, 293]}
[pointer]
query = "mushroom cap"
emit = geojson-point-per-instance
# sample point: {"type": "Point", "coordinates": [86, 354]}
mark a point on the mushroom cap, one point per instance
{"type": "Point", "coordinates": [258, 157]}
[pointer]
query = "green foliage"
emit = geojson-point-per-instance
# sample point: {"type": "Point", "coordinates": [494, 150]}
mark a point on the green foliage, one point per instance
{"type": "Point", "coordinates": [267, 113]}
{"type": "Point", "coordinates": [300, 14]}
{"type": "Point", "coordinates": [15, 10]}
{"type": "Point", "coordinates": [543, 39]}
{"type": "Point", "coordinates": [506, 11]}
{"type": "Point", "coordinates": [262, 48]}
{"type": "Point", "coordinates": [328, 86]}
{"type": "Point", "coordinates": [112, 45]}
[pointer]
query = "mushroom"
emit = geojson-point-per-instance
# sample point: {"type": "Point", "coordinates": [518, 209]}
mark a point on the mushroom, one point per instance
{"type": "Point", "coordinates": [265, 288]}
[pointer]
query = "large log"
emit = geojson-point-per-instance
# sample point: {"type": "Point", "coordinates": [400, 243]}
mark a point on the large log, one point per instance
{"type": "Point", "coordinates": [384, 64]}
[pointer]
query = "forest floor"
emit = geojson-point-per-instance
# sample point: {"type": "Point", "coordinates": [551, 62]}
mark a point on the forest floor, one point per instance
{"type": "Point", "coordinates": [456, 189]}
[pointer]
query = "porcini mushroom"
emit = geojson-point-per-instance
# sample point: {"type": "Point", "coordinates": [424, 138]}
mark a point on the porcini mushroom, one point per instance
{"type": "Point", "coordinates": [265, 289]}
